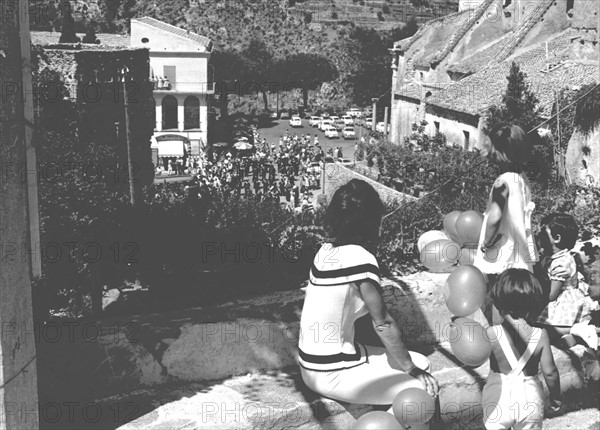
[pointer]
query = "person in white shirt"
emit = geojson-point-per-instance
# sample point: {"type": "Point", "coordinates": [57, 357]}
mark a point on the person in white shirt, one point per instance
{"type": "Point", "coordinates": [344, 285]}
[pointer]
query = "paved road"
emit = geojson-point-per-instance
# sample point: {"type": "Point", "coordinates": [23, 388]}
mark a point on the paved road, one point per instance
{"type": "Point", "coordinates": [277, 128]}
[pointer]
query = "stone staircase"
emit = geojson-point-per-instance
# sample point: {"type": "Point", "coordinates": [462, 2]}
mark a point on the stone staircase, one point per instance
{"type": "Point", "coordinates": [523, 29]}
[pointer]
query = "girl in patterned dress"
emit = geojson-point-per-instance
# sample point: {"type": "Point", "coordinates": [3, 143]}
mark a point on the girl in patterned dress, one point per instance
{"type": "Point", "coordinates": [568, 313]}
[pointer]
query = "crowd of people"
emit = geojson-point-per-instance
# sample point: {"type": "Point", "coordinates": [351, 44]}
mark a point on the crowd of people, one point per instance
{"type": "Point", "coordinates": [286, 172]}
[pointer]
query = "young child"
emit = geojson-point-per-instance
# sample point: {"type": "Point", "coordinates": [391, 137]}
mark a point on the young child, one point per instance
{"type": "Point", "coordinates": [568, 313]}
{"type": "Point", "coordinates": [506, 240]}
{"type": "Point", "coordinates": [513, 395]}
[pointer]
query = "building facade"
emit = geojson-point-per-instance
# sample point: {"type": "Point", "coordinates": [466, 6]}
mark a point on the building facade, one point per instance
{"type": "Point", "coordinates": [454, 68]}
{"type": "Point", "coordinates": [179, 70]}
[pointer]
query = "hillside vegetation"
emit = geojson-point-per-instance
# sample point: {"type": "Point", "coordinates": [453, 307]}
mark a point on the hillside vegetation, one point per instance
{"type": "Point", "coordinates": [347, 34]}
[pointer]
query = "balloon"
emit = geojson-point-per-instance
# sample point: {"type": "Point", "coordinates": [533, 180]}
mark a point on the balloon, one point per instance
{"type": "Point", "coordinates": [440, 255]}
{"type": "Point", "coordinates": [450, 225]}
{"type": "Point", "coordinates": [465, 290]}
{"type": "Point", "coordinates": [468, 227]}
{"type": "Point", "coordinates": [469, 342]}
{"type": "Point", "coordinates": [467, 255]}
{"type": "Point", "coordinates": [429, 237]}
{"type": "Point", "coordinates": [377, 420]}
{"type": "Point", "coordinates": [413, 406]}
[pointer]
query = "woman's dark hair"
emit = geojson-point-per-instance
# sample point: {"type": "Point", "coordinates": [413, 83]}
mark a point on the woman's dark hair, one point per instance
{"type": "Point", "coordinates": [519, 294]}
{"type": "Point", "coordinates": [354, 214]}
{"type": "Point", "coordinates": [565, 225]}
{"type": "Point", "coordinates": [511, 145]}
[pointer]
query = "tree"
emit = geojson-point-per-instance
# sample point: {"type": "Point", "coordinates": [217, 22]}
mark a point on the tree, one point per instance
{"type": "Point", "coordinates": [519, 104]}
{"type": "Point", "coordinates": [68, 34]}
{"type": "Point", "coordinates": [90, 36]}
{"type": "Point", "coordinates": [308, 71]}
{"type": "Point", "coordinates": [405, 31]}
{"type": "Point", "coordinates": [229, 71]}
{"type": "Point", "coordinates": [373, 75]}
{"type": "Point", "coordinates": [258, 62]}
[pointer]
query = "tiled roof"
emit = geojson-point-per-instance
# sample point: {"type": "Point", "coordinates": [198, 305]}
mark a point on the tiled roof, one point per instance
{"type": "Point", "coordinates": [532, 18]}
{"type": "Point", "coordinates": [475, 93]}
{"type": "Point", "coordinates": [202, 40]}
{"type": "Point", "coordinates": [434, 41]}
{"type": "Point", "coordinates": [460, 32]}
{"type": "Point", "coordinates": [481, 58]}
{"type": "Point", "coordinates": [52, 38]}
{"type": "Point", "coordinates": [404, 44]}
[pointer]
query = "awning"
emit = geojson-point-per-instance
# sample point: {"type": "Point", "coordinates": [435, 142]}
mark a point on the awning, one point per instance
{"type": "Point", "coordinates": [170, 148]}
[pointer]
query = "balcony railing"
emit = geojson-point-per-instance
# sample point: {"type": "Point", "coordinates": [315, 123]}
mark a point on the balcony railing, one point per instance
{"type": "Point", "coordinates": [166, 85]}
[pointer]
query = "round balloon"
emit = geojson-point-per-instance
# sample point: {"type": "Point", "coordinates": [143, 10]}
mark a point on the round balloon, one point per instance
{"type": "Point", "coordinates": [377, 420]}
{"type": "Point", "coordinates": [440, 255]}
{"type": "Point", "coordinates": [429, 237]}
{"type": "Point", "coordinates": [413, 406]}
{"type": "Point", "coordinates": [468, 227]}
{"type": "Point", "coordinates": [469, 342]}
{"type": "Point", "coordinates": [467, 255]}
{"type": "Point", "coordinates": [450, 225]}
{"type": "Point", "coordinates": [466, 289]}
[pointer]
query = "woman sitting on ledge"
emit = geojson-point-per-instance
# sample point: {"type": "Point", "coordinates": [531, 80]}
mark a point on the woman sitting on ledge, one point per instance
{"type": "Point", "coordinates": [344, 285]}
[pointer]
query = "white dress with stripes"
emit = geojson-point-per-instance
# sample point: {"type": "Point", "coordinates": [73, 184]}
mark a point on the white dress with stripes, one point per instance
{"type": "Point", "coordinates": [332, 363]}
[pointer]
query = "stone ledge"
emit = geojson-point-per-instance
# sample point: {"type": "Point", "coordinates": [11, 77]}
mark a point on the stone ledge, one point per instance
{"type": "Point", "coordinates": [279, 400]}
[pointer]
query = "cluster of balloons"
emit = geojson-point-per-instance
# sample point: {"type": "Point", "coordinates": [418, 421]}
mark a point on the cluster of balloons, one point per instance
{"type": "Point", "coordinates": [412, 407]}
{"type": "Point", "coordinates": [465, 292]}
{"type": "Point", "coordinates": [440, 250]}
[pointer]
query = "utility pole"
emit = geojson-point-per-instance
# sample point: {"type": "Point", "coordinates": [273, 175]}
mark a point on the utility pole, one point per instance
{"type": "Point", "coordinates": [128, 137]}
{"type": "Point", "coordinates": [32, 191]}
{"type": "Point", "coordinates": [374, 117]}
{"type": "Point", "coordinates": [19, 402]}
{"type": "Point", "coordinates": [385, 123]}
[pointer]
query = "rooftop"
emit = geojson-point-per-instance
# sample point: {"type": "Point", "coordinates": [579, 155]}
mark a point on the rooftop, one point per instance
{"type": "Point", "coordinates": [202, 40]}
{"type": "Point", "coordinates": [106, 39]}
{"type": "Point", "coordinates": [475, 93]}
{"type": "Point", "coordinates": [481, 58]}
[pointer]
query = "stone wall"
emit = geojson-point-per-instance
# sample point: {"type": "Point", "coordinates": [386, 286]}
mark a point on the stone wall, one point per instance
{"type": "Point", "coordinates": [337, 175]}
{"type": "Point", "coordinates": [585, 14]}
{"type": "Point", "coordinates": [80, 84]}
{"type": "Point", "coordinates": [583, 158]}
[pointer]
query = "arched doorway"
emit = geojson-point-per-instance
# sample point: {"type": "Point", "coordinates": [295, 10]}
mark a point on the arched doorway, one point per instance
{"type": "Point", "coordinates": [169, 113]}
{"type": "Point", "coordinates": [191, 113]}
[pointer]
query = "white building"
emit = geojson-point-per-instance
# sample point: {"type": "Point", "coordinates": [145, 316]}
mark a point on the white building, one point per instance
{"type": "Point", "coordinates": [180, 71]}
{"type": "Point", "coordinates": [179, 68]}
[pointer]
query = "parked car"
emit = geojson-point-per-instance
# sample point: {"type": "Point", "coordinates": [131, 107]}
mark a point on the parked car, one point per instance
{"type": "Point", "coordinates": [329, 159]}
{"type": "Point", "coordinates": [273, 115]}
{"type": "Point", "coordinates": [345, 161]}
{"type": "Point", "coordinates": [334, 118]}
{"type": "Point", "coordinates": [348, 133]}
{"type": "Point", "coordinates": [314, 121]}
{"type": "Point", "coordinates": [296, 121]}
{"type": "Point", "coordinates": [369, 123]}
{"type": "Point", "coordinates": [324, 115]}
{"type": "Point", "coordinates": [354, 113]}
{"type": "Point", "coordinates": [284, 115]}
{"type": "Point", "coordinates": [348, 120]}
{"type": "Point", "coordinates": [381, 126]}
{"type": "Point", "coordinates": [324, 123]}
{"type": "Point", "coordinates": [332, 133]}
{"type": "Point", "coordinates": [339, 124]}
